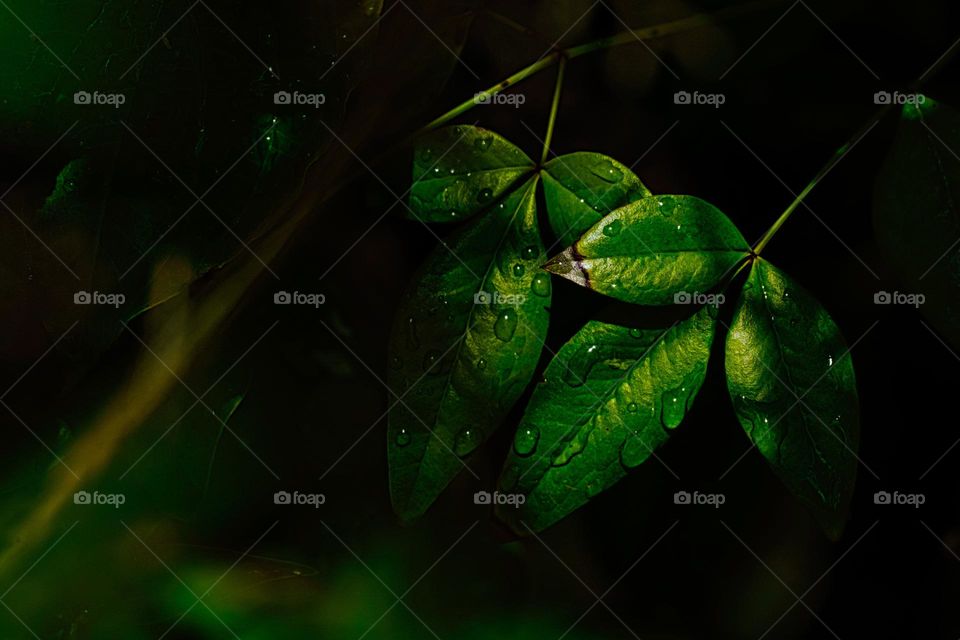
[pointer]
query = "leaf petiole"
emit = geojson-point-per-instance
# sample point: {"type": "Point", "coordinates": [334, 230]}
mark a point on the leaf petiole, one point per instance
{"type": "Point", "coordinates": [554, 107]}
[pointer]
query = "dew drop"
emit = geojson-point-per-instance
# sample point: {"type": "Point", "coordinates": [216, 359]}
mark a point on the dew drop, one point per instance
{"type": "Point", "coordinates": [481, 364]}
{"type": "Point", "coordinates": [430, 362]}
{"type": "Point", "coordinates": [612, 228]}
{"type": "Point", "coordinates": [403, 438]}
{"type": "Point", "coordinates": [412, 337]}
{"type": "Point", "coordinates": [526, 440]}
{"type": "Point", "coordinates": [396, 362]}
{"type": "Point", "coordinates": [632, 407]}
{"type": "Point", "coordinates": [506, 325]}
{"type": "Point", "coordinates": [518, 270]}
{"type": "Point", "coordinates": [636, 333]}
{"type": "Point", "coordinates": [529, 253]}
{"type": "Point", "coordinates": [485, 195]}
{"type": "Point", "coordinates": [482, 144]}
{"type": "Point", "coordinates": [466, 441]}
{"type": "Point", "coordinates": [672, 409]}
{"type": "Point", "coordinates": [608, 173]}
{"type": "Point", "coordinates": [541, 284]}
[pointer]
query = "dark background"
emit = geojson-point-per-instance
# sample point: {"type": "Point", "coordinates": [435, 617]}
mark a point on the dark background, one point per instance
{"type": "Point", "coordinates": [794, 98]}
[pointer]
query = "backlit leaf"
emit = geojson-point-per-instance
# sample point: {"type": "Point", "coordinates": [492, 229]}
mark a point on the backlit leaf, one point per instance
{"type": "Point", "coordinates": [609, 398]}
{"type": "Point", "coordinates": [791, 380]}
{"type": "Point", "coordinates": [649, 250]}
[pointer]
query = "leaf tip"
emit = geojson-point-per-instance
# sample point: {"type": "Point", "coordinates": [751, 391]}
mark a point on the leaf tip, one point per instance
{"type": "Point", "coordinates": [567, 264]}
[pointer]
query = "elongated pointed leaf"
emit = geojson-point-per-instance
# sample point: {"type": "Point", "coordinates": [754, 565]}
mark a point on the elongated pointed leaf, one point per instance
{"type": "Point", "coordinates": [916, 213]}
{"type": "Point", "coordinates": [582, 187]}
{"type": "Point", "coordinates": [465, 343]}
{"type": "Point", "coordinates": [609, 398]}
{"type": "Point", "coordinates": [458, 171]}
{"type": "Point", "coordinates": [792, 384]}
{"type": "Point", "coordinates": [650, 250]}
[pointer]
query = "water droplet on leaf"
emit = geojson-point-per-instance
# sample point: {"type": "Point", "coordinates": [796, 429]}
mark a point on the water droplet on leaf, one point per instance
{"type": "Point", "coordinates": [526, 441]}
{"type": "Point", "coordinates": [612, 228]}
{"type": "Point", "coordinates": [541, 284]}
{"type": "Point", "coordinates": [485, 195]}
{"type": "Point", "coordinates": [466, 441]}
{"type": "Point", "coordinates": [506, 325]}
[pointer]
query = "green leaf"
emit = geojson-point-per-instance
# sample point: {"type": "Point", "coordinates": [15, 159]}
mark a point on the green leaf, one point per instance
{"type": "Point", "coordinates": [465, 343]}
{"type": "Point", "coordinates": [458, 171]}
{"type": "Point", "coordinates": [649, 250]}
{"type": "Point", "coordinates": [581, 188]}
{"type": "Point", "coordinates": [916, 211]}
{"type": "Point", "coordinates": [609, 398]}
{"type": "Point", "coordinates": [791, 380]}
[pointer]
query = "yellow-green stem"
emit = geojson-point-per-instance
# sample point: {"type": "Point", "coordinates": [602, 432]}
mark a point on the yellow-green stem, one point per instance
{"type": "Point", "coordinates": [630, 36]}
{"type": "Point", "coordinates": [554, 107]}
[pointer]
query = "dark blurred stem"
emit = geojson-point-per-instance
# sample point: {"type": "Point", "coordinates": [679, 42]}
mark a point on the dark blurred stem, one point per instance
{"type": "Point", "coordinates": [554, 106]}
{"type": "Point", "coordinates": [630, 36]}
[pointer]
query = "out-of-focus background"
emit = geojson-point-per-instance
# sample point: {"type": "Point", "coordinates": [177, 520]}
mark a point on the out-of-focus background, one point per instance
{"type": "Point", "coordinates": [183, 409]}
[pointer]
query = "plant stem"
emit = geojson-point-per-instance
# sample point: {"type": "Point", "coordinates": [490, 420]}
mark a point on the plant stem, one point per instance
{"type": "Point", "coordinates": [831, 163]}
{"type": "Point", "coordinates": [915, 85]}
{"type": "Point", "coordinates": [554, 107]}
{"type": "Point", "coordinates": [630, 36]}
{"type": "Point", "coordinates": [470, 103]}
